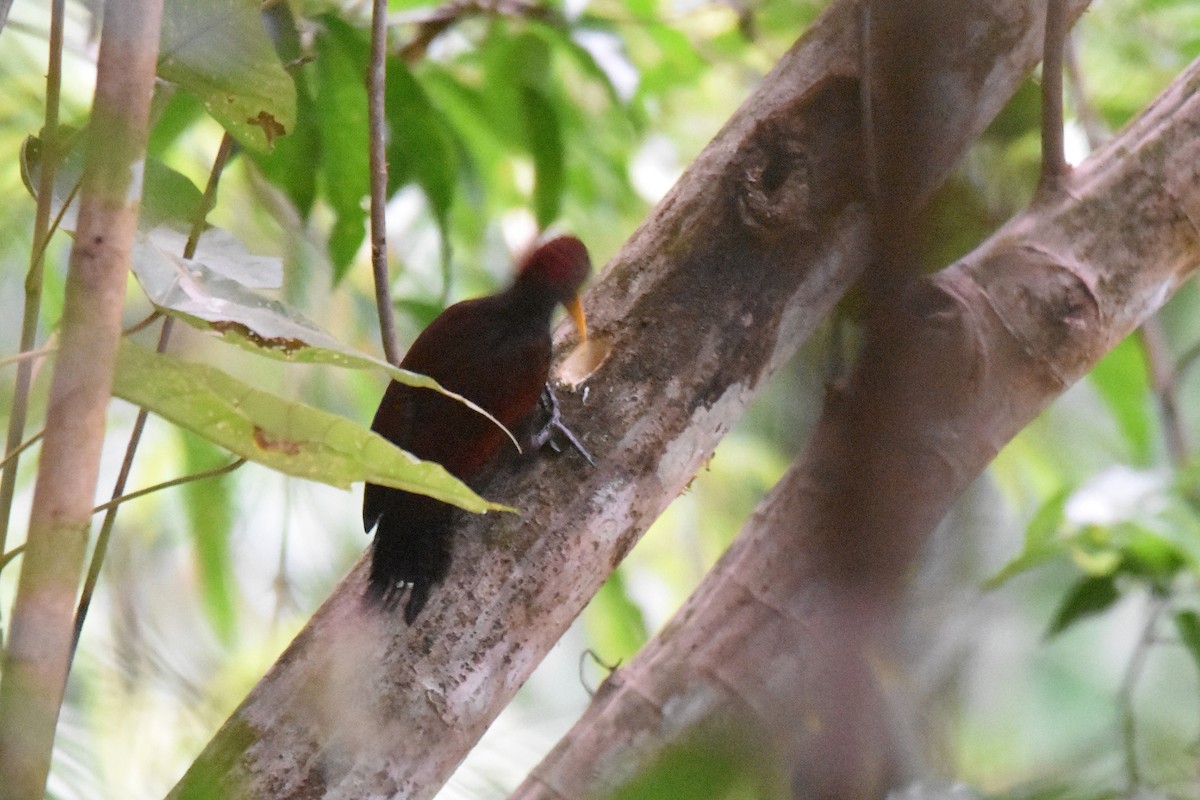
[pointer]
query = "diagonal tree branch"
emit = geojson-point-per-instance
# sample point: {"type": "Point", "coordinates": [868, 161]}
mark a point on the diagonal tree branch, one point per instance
{"type": "Point", "coordinates": [800, 609]}
{"type": "Point", "coordinates": [714, 292]}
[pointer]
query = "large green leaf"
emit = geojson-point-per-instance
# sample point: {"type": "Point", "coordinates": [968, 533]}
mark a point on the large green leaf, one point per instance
{"type": "Point", "coordinates": [286, 436]}
{"type": "Point", "coordinates": [215, 294]}
{"type": "Point", "coordinates": [341, 100]}
{"type": "Point", "coordinates": [219, 51]}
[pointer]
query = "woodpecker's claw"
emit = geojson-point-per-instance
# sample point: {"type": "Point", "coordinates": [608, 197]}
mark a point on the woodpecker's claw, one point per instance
{"type": "Point", "coordinates": [545, 436]}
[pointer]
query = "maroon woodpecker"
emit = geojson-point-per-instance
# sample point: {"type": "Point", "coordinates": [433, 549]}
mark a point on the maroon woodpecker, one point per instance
{"type": "Point", "coordinates": [494, 351]}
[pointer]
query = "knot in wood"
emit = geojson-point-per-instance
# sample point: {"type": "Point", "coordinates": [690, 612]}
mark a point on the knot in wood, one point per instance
{"type": "Point", "coordinates": [773, 195]}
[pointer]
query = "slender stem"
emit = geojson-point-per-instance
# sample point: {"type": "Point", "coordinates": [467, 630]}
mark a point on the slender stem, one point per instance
{"type": "Point", "coordinates": [147, 322]}
{"type": "Point", "coordinates": [1054, 161]}
{"type": "Point", "coordinates": [22, 447]}
{"type": "Point", "coordinates": [8, 557]}
{"type": "Point", "coordinates": [1133, 672]}
{"type": "Point", "coordinates": [377, 78]}
{"type": "Point", "coordinates": [158, 487]}
{"type": "Point", "coordinates": [1165, 381]}
{"type": "Point", "coordinates": [28, 355]}
{"type": "Point", "coordinates": [33, 279]}
{"type": "Point", "coordinates": [139, 425]}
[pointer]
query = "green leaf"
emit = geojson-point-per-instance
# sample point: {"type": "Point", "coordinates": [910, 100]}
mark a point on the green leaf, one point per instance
{"type": "Point", "coordinates": [293, 164]}
{"type": "Point", "coordinates": [220, 300]}
{"type": "Point", "coordinates": [219, 51]}
{"type": "Point", "coordinates": [615, 623]}
{"type": "Point", "coordinates": [219, 255]}
{"type": "Point", "coordinates": [1123, 382]}
{"type": "Point", "coordinates": [290, 437]}
{"type": "Point", "coordinates": [1041, 542]}
{"type": "Point", "coordinates": [421, 146]}
{"type": "Point", "coordinates": [1188, 625]}
{"type": "Point", "coordinates": [562, 40]}
{"type": "Point", "coordinates": [1090, 595]}
{"type": "Point", "coordinates": [726, 765]}
{"type": "Point", "coordinates": [341, 99]}
{"type": "Point", "coordinates": [546, 146]}
{"type": "Point", "coordinates": [209, 509]}
{"type": "Point", "coordinates": [168, 197]}
{"type": "Point", "coordinates": [1151, 557]}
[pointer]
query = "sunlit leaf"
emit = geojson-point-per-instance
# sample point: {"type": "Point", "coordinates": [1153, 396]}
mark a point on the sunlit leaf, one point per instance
{"type": "Point", "coordinates": [1151, 557]}
{"type": "Point", "coordinates": [1122, 381]}
{"type": "Point", "coordinates": [290, 437]}
{"type": "Point", "coordinates": [616, 625]}
{"type": "Point", "coordinates": [293, 163]}
{"type": "Point", "coordinates": [219, 51]}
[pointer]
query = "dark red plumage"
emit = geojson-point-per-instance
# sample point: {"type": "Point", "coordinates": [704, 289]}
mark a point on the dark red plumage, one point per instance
{"type": "Point", "coordinates": [493, 350]}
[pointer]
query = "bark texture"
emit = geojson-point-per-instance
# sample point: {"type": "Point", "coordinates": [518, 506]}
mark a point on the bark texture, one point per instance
{"type": "Point", "coordinates": [730, 273]}
{"type": "Point", "coordinates": [784, 640]}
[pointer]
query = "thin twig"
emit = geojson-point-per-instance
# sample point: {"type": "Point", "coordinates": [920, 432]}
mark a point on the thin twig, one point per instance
{"type": "Point", "coordinates": [376, 80]}
{"type": "Point", "coordinates": [1054, 161]}
{"type": "Point", "coordinates": [22, 447]}
{"type": "Point", "coordinates": [28, 355]}
{"type": "Point", "coordinates": [158, 487]}
{"type": "Point", "coordinates": [139, 425]}
{"type": "Point", "coordinates": [1137, 662]}
{"type": "Point", "coordinates": [8, 557]}
{"type": "Point", "coordinates": [147, 322]}
{"type": "Point", "coordinates": [1164, 381]}
{"type": "Point", "coordinates": [33, 279]}
{"type": "Point", "coordinates": [430, 24]}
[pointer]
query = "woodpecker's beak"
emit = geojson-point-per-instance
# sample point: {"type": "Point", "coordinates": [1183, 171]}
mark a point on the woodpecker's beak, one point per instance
{"type": "Point", "coordinates": [575, 309]}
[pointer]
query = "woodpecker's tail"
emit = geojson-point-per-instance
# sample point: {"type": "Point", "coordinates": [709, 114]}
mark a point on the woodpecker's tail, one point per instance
{"type": "Point", "coordinates": [411, 549]}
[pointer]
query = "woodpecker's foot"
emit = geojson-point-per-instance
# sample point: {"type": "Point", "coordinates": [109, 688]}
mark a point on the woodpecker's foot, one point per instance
{"type": "Point", "coordinates": [546, 436]}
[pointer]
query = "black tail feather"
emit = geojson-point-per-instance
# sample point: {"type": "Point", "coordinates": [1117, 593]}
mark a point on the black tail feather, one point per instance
{"type": "Point", "coordinates": [411, 549]}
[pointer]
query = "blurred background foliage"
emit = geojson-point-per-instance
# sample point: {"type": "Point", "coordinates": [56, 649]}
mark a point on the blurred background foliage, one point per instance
{"type": "Point", "coordinates": [1054, 634]}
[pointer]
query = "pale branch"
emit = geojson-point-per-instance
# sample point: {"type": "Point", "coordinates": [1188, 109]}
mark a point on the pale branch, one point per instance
{"type": "Point", "coordinates": [37, 659]}
{"type": "Point", "coordinates": [377, 147]}
{"type": "Point", "coordinates": [733, 270]}
{"type": "Point", "coordinates": [798, 613]}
